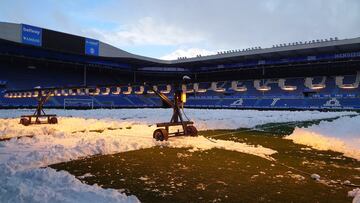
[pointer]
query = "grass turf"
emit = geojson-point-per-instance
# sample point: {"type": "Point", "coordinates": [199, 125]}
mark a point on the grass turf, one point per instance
{"type": "Point", "coordinates": [163, 174]}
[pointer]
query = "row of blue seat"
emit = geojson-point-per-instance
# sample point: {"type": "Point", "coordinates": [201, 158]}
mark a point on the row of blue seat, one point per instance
{"type": "Point", "coordinates": [210, 102]}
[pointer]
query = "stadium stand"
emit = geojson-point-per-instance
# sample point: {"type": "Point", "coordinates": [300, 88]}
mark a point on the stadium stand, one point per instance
{"type": "Point", "coordinates": [311, 75]}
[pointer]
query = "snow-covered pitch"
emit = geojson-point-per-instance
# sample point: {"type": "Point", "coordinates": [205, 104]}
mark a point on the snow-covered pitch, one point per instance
{"type": "Point", "coordinates": [24, 176]}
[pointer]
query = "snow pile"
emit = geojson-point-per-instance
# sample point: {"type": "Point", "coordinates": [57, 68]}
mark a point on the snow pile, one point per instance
{"type": "Point", "coordinates": [73, 138]}
{"type": "Point", "coordinates": [204, 118]}
{"type": "Point", "coordinates": [59, 143]}
{"type": "Point", "coordinates": [11, 127]}
{"type": "Point", "coordinates": [356, 194]}
{"type": "Point", "coordinates": [342, 135]}
{"type": "Point", "coordinates": [47, 185]}
{"type": "Point", "coordinates": [106, 132]}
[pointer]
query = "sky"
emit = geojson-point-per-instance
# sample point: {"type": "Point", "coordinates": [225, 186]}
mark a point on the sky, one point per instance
{"type": "Point", "coordinates": [169, 29]}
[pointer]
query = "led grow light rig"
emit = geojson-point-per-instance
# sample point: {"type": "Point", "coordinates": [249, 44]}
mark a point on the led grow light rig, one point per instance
{"type": "Point", "coordinates": [42, 95]}
{"type": "Point", "coordinates": [177, 119]}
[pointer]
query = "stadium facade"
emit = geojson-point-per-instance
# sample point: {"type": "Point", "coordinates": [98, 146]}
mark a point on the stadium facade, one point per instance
{"type": "Point", "coordinates": [318, 74]}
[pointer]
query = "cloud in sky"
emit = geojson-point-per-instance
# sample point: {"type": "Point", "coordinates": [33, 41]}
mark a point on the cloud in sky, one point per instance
{"type": "Point", "coordinates": [244, 23]}
{"type": "Point", "coordinates": [180, 26]}
{"type": "Point", "coordinates": [146, 31]}
{"type": "Point", "coordinates": [192, 52]}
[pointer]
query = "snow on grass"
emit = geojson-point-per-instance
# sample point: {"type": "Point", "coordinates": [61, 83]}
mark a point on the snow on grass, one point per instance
{"type": "Point", "coordinates": [48, 185]}
{"type": "Point", "coordinates": [356, 194]}
{"type": "Point", "coordinates": [59, 143]}
{"type": "Point", "coordinates": [202, 143]}
{"type": "Point", "coordinates": [341, 135]}
{"type": "Point", "coordinates": [106, 132]}
{"type": "Point", "coordinates": [204, 118]}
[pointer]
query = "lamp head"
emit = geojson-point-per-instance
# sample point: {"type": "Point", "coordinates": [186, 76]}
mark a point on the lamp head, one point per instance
{"type": "Point", "coordinates": [186, 79]}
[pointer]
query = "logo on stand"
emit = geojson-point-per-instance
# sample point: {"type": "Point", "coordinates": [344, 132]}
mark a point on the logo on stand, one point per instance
{"type": "Point", "coordinates": [31, 35]}
{"type": "Point", "coordinates": [91, 47]}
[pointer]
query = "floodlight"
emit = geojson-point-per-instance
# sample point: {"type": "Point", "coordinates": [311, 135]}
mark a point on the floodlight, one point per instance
{"type": "Point", "coordinates": [141, 90]}
{"type": "Point", "coordinates": [79, 91]}
{"type": "Point", "coordinates": [107, 91]}
{"type": "Point", "coordinates": [128, 91]}
{"type": "Point", "coordinates": [35, 94]}
{"type": "Point", "coordinates": [64, 93]}
{"type": "Point", "coordinates": [97, 91]}
{"type": "Point", "coordinates": [72, 92]}
{"type": "Point", "coordinates": [185, 77]}
{"type": "Point", "coordinates": [57, 93]}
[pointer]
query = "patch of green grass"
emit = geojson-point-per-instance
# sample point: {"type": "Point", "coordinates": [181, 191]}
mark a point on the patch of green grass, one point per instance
{"type": "Point", "coordinates": [163, 174]}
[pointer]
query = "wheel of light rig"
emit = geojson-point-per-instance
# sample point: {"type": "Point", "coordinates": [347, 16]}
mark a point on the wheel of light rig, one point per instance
{"type": "Point", "coordinates": [160, 135]}
{"type": "Point", "coordinates": [25, 121]}
{"type": "Point", "coordinates": [53, 120]}
{"type": "Point", "coordinates": [191, 131]}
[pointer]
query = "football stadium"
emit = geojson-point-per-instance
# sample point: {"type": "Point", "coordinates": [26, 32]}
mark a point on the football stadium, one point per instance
{"type": "Point", "coordinates": [260, 124]}
{"type": "Point", "coordinates": [318, 74]}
